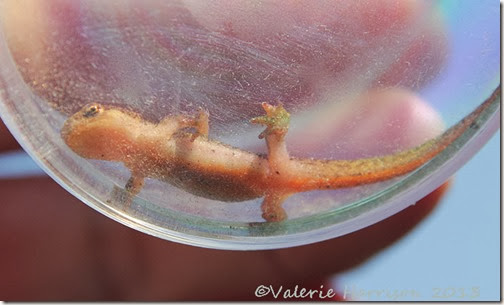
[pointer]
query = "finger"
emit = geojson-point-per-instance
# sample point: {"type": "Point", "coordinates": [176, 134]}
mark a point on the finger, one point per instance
{"type": "Point", "coordinates": [413, 43]}
{"type": "Point", "coordinates": [7, 141]}
{"type": "Point", "coordinates": [225, 56]}
{"type": "Point", "coordinates": [377, 123]}
{"type": "Point", "coordinates": [254, 21]}
{"type": "Point", "coordinates": [185, 267]}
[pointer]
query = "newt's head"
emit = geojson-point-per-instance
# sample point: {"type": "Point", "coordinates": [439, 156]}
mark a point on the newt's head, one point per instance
{"type": "Point", "coordinates": [96, 132]}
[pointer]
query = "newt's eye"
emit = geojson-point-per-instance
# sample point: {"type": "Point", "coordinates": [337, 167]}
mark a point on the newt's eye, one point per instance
{"type": "Point", "coordinates": [92, 110]}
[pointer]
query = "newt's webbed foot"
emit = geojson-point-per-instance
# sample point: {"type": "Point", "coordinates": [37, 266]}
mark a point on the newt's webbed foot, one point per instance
{"type": "Point", "coordinates": [276, 120]}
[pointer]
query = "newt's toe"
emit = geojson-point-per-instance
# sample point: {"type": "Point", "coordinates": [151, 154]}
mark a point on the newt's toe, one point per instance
{"type": "Point", "coordinates": [276, 120]}
{"type": "Point", "coordinates": [274, 217]}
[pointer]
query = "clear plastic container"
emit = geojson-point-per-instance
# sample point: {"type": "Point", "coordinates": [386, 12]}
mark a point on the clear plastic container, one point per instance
{"type": "Point", "coordinates": [360, 79]}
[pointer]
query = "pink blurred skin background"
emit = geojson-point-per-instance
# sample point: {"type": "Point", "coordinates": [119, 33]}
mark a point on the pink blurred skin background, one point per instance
{"type": "Point", "coordinates": [347, 71]}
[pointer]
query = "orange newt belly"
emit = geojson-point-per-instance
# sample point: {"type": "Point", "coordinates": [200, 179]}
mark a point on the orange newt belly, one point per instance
{"type": "Point", "coordinates": [217, 171]}
{"type": "Point", "coordinates": [207, 168]}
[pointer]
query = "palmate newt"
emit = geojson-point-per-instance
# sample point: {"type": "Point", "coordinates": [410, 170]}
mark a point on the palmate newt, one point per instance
{"type": "Point", "coordinates": [170, 152]}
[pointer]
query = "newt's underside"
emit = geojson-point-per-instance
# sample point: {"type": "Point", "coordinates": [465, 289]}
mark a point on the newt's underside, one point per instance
{"type": "Point", "coordinates": [168, 151]}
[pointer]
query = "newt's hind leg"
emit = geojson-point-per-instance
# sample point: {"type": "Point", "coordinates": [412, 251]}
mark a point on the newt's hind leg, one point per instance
{"type": "Point", "coordinates": [276, 121]}
{"type": "Point", "coordinates": [271, 207]}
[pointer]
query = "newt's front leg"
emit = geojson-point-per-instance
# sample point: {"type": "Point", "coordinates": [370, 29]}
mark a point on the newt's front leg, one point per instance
{"type": "Point", "coordinates": [134, 184]}
{"type": "Point", "coordinates": [179, 122]}
{"type": "Point", "coordinates": [277, 121]}
{"type": "Point", "coordinates": [170, 125]}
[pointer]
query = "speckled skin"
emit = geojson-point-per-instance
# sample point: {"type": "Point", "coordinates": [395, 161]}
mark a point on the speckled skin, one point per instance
{"type": "Point", "coordinates": [166, 151]}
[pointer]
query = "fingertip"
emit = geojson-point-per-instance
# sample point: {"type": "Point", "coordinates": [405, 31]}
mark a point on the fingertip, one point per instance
{"type": "Point", "coordinates": [252, 20]}
{"type": "Point", "coordinates": [376, 123]}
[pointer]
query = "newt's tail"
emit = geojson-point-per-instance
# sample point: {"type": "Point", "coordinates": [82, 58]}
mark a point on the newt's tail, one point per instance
{"type": "Point", "coordinates": [346, 173]}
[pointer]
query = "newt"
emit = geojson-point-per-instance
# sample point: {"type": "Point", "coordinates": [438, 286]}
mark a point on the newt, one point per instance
{"type": "Point", "coordinates": [177, 151]}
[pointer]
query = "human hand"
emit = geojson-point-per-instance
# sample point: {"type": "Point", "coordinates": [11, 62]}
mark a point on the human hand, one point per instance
{"type": "Point", "coordinates": [55, 248]}
{"type": "Point", "coordinates": [163, 57]}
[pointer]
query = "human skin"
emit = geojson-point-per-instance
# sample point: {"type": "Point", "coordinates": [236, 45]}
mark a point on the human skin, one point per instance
{"type": "Point", "coordinates": [56, 248]}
